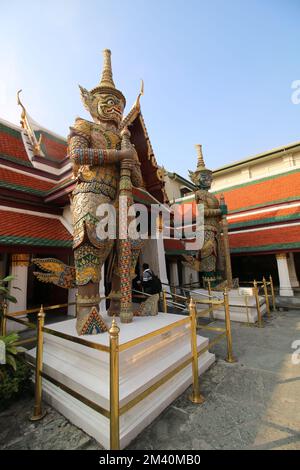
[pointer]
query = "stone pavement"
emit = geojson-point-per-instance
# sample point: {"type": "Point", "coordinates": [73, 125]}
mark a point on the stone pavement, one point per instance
{"type": "Point", "coordinates": [254, 403]}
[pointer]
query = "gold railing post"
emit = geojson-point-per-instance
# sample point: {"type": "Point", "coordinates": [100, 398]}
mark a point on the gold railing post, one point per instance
{"type": "Point", "coordinates": [196, 396]}
{"type": "Point", "coordinates": [173, 292]}
{"type": "Point", "coordinates": [259, 319]}
{"type": "Point", "coordinates": [230, 358]}
{"type": "Point", "coordinates": [247, 308]}
{"type": "Point", "coordinates": [210, 299]}
{"type": "Point", "coordinates": [38, 413]}
{"type": "Point", "coordinates": [273, 294]}
{"type": "Point", "coordinates": [266, 296]}
{"type": "Point", "coordinates": [114, 386]}
{"type": "Point", "coordinates": [4, 319]}
{"type": "Point", "coordinates": [76, 304]}
{"type": "Point", "coordinates": [164, 296]}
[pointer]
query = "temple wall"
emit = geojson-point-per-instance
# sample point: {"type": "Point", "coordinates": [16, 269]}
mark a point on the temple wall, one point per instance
{"type": "Point", "coordinates": [265, 166]}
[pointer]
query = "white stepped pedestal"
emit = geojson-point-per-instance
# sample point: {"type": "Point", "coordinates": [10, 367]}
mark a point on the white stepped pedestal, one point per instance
{"type": "Point", "coordinates": [86, 371]}
{"type": "Point", "coordinates": [237, 304]}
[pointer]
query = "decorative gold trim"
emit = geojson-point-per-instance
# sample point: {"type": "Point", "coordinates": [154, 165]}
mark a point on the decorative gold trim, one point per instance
{"type": "Point", "coordinates": [153, 334]}
{"type": "Point", "coordinates": [77, 395]}
{"type": "Point", "coordinates": [22, 322]}
{"type": "Point", "coordinates": [36, 144]}
{"type": "Point", "coordinates": [20, 259]}
{"type": "Point", "coordinates": [38, 412]}
{"type": "Point", "coordinates": [154, 386]}
{"type": "Point", "coordinates": [114, 386]}
{"type": "Point", "coordinates": [281, 256]}
{"type": "Point", "coordinates": [82, 341]}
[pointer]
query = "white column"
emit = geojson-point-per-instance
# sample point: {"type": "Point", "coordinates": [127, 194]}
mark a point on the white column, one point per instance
{"type": "Point", "coordinates": [292, 270]}
{"type": "Point", "coordinates": [18, 269]}
{"type": "Point", "coordinates": [153, 253]}
{"type": "Point", "coordinates": [71, 299]}
{"type": "Point", "coordinates": [187, 275]}
{"type": "Point", "coordinates": [174, 278]}
{"type": "Point", "coordinates": [162, 267]}
{"type": "Point", "coordinates": [285, 287]}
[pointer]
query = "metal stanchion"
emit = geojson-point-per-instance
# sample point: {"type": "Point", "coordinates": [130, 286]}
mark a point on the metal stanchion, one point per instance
{"type": "Point", "coordinates": [164, 297]}
{"type": "Point", "coordinates": [76, 304]}
{"type": "Point", "coordinates": [173, 292]}
{"type": "Point", "coordinates": [4, 319]}
{"type": "Point", "coordinates": [230, 358]}
{"type": "Point", "coordinates": [259, 319]}
{"type": "Point", "coordinates": [265, 287]}
{"type": "Point", "coordinates": [273, 294]}
{"type": "Point", "coordinates": [211, 316]}
{"type": "Point", "coordinates": [114, 386]}
{"type": "Point", "coordinates": [247, 308]}
{"type": "Point", "coordinates": [196, 396]}
{"type": "Point", "coordinates": [38, 413]}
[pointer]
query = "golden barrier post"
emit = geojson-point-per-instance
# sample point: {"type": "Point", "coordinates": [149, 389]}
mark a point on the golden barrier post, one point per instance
{"type": "Point", "coordinates": [38, 413]}
{"type": "Point", "coordinates": [196, 396]}
{"type": "Point", "coordinates": [173, 292]}
{"type": "Point", "coordinates": [266, 296]}
{"type": "Point", "coordinates": [273, 294]}
{"type": "Point", "coordinates": [230, 358]}
{"type": "Point", "coordinates": [247, 308]}
{"type": "Point", "coordinates": [164, 296]}
{"type": "Point", "coordinates": [259, 319]}
{"type": "Point", "coordinates": [114, 386]}
{"type": "Point", "coordinates": [4, 319]}
{"type": "Point", "coordinates": [210, 299]}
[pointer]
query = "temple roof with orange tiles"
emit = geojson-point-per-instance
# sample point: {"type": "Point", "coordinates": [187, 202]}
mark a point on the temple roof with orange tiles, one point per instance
{"type": "Point", "coordinates": [36, 182]}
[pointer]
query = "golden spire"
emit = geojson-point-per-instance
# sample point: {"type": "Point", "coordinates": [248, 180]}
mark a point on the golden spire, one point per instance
{"type": "Point", "coordinates": [107, 76]}
{"type": "Point", "coordinates": [194, 175]}
{"type": "Point", "coordinates": [106, 84]}
{"type": "Point", "coordinates": [200, 161]}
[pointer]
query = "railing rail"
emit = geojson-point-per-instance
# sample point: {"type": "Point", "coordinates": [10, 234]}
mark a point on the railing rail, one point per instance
{"type": "Point", "coordinates": [261, 287]}
{"type": "Point", "coordinates": [114, 349]}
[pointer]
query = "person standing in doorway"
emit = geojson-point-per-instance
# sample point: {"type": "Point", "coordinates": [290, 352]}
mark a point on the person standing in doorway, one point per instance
{"type": "Point", "coordinates": [147, 279]}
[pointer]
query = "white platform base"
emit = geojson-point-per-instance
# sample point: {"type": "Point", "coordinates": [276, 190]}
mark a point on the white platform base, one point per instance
{"type": "Point", "coordinates": [238, 300]}
{"type": "Point", "coordinates": [86, 371]}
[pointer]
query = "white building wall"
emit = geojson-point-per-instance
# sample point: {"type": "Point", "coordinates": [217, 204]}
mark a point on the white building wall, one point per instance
{"type": "Point", "coordinates": [272, 165]}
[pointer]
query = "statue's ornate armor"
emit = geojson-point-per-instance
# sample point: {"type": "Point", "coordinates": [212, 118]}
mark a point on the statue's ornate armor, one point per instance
{"type": "Point", "coordinates": [211, 260]}
{"type": "Point", "coordinates": [96, 184]}
{"type": "Point", "coordinates": [105, 164]}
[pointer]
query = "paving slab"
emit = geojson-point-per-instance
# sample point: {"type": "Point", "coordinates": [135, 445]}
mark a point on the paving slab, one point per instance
{"type": "Point", "coordinates": [253, 404]}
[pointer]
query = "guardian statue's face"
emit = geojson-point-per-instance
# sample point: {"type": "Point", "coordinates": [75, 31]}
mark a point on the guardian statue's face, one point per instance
{"type": "Point", "coordinates": [205, 179]}
{"type": "Point", "coordinates": [110, 108]}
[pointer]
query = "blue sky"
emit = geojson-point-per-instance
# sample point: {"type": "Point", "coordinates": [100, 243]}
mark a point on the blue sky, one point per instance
{"type": "Point", "coordinates": [216, 72]}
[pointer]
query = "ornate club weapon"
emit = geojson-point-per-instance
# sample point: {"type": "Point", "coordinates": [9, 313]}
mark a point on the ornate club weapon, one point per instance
{"type": "Point", "coordinates": [126, 200]}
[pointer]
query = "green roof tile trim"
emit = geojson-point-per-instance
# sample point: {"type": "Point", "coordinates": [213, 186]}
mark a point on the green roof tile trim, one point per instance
{"type": "Point", "coordinates": [51, 137]}
{"type": "Point", "coordinates": [33, 241]}
{"type": "Point", "coordinates": [19, 161]}
{"type": "Point", "coordinates": [267, 220]}
{"type": "Point", "coordinates": [10, 131]}
{"type": "Point", "coordinates": [60, 186]}
{"type": "Point", "coordinates": [25, 189]}
{"type": "Point", "coordinates": [260, 180]}
{"type": "Point", "coordinates": [274, 247]}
